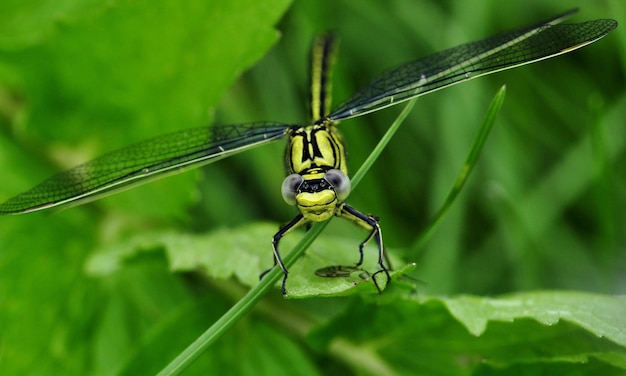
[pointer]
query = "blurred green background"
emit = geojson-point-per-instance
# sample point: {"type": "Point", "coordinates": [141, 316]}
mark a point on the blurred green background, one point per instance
{"type": "Point", "coordinates": [544, 208]}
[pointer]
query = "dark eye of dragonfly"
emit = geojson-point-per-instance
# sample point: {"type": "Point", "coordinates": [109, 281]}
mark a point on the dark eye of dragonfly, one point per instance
{"type": "Point", "coordinates": [291, 186]}
{"type": "Point", "coordinates": [340, 182]}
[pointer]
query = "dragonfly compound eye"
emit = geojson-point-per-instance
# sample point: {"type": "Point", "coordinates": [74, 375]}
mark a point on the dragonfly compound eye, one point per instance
{"type": "Point", "coordinates": [290, 187]}
{"type": "Point", "coordinates": [340, 182]}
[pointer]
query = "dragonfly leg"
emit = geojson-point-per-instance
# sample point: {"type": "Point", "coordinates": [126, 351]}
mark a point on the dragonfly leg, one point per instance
{"type": "Point", "coordinates": [368, 222]}
{"type": "Point", "coordinates": [298, 221]}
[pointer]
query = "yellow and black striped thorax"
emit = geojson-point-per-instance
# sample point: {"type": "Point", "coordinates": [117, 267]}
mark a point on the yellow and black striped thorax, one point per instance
{"type": "Point", "coordinates": [317, 180]}
{"type": "Point", "coordinates": [315, 149]}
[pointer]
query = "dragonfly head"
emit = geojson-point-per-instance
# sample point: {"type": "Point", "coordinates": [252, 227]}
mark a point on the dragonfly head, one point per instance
{"type": "Point", "coordinates": [316, 195]}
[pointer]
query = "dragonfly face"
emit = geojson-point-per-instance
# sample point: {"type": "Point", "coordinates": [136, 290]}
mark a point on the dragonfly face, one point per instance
{"type": "Point", "coordinates": [318, 180]}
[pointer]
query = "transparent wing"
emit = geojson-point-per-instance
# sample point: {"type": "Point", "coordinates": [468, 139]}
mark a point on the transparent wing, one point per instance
{"type": "Point", "coordinates": [144, 161]}
{"type": "Point", "coordinates": [458, 64]}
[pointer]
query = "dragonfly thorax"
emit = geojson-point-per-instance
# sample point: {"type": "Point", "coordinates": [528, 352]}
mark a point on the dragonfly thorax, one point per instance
{"type": "Point", "coordinates": [317, 181]}
{"type": "Point", "coordinates": [315, 147]}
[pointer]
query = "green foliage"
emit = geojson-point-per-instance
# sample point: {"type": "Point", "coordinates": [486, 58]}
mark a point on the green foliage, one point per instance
{"type": "Point", "coordinates": [478, 335]}
{"type": "Point", "coordinates": [520, 276]}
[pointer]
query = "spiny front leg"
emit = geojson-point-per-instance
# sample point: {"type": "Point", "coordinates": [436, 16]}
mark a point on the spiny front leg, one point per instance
{"type": "Point", "coordinates": [298, 221]}
{"type": "Point", "coordinates": [368, 222]}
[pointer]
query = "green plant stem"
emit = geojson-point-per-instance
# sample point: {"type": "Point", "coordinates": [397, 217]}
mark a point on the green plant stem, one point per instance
{"type": "Point", "coordinates": [468, 166]}
{"type": "Point", "coordinates": [243, 306]}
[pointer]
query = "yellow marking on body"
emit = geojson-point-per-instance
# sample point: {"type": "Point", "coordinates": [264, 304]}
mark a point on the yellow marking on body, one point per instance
{"type": "Point", "coordinates": [317, 206]}
{"type": "Point", "coordinates": [316, 146]}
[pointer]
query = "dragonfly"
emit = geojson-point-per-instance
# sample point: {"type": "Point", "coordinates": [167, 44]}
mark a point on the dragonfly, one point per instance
{"type": "Point", "coordinates": [317, 181]}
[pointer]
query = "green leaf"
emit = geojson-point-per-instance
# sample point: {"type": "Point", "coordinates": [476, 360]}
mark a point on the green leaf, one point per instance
{"type": "Point", "coordinates": [601, 315]}
{"type": "Point", "coordinates": [132, 70]}
{"type": "Point", "coordinates": [28, 22]}
{"type": "Point", "coordinates": [475, 335]}
{"type": "Point", "coordinates": [244, 252]}
{"type": "Point", "coordinates": [241, 252]}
